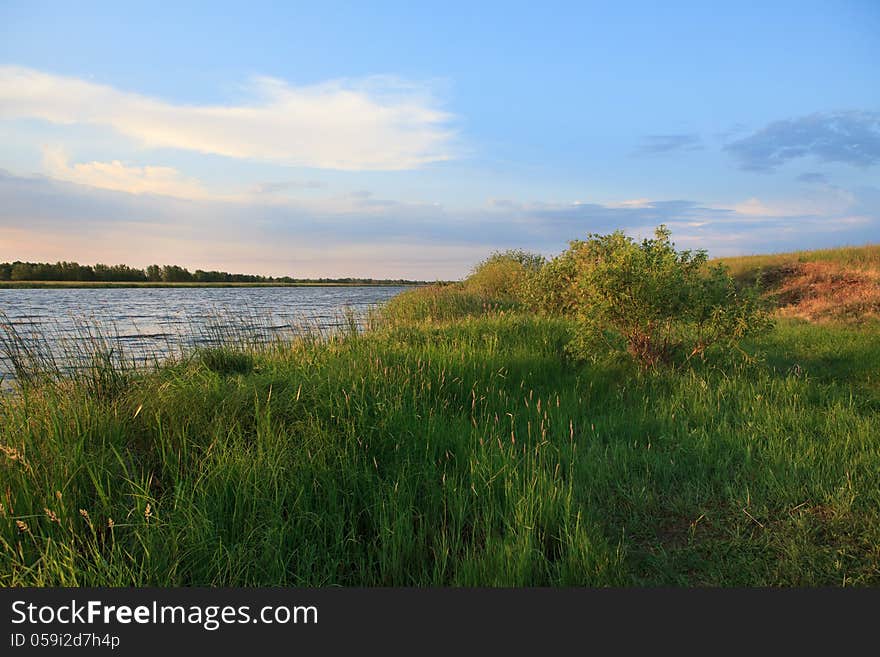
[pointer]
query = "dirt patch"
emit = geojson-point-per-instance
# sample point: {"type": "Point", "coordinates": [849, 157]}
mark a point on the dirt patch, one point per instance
{"type": "Point", "coordinates": [823, 291]}
{"type": "Point", "coordinates": [677, 532]}
{"type": "Point", "coordinates": [821, 512]}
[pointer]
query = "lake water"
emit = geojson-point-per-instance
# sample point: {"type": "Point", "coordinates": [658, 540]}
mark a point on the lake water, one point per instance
{"type": "Point", "coordinates": [154, 322]}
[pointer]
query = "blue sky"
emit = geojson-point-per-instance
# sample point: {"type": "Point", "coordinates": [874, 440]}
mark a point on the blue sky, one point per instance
{"type": "Point", "coordinates": [411, 139]}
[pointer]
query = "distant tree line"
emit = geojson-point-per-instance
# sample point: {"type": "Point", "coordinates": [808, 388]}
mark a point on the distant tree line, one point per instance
{"type": "Point", "coordinates": [73, 271]}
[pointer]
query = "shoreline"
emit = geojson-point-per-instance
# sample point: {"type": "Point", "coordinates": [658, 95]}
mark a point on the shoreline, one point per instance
{"type": "Point", "coordinates": [30, 285]}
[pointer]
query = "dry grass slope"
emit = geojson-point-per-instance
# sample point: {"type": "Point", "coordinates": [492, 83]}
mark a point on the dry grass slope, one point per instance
{"type": "Point", "coordinates": [865, 257]}
{"type": "Point", "coordinates": [826, 285]}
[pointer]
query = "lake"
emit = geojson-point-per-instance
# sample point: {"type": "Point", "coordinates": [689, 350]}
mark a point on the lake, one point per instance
{"type": "Point", "coordinates": [156, 322]}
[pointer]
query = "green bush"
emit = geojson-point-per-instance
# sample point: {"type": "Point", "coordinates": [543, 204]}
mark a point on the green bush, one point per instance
{"type": "Point", "coordinates": [658, 304]}
{"type": "Point", "coordinates": [504, 276]}
{"type": "Point", "coordinates": [552, 289]}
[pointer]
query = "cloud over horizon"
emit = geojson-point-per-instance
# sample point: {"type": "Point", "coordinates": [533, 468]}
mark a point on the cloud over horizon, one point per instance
{"type": "Point", "coordinates": [380, 123]}
{"type": "Point", "coordinates": [660, 144]}
{"type": "Point", "coordinates": [359, 235]}
{"type": "Point", "coordinates": [851, 137]}
{"type": "Point", "coordinates": [813, 178]}
{"type": "Point", "coordinates": [116, 176]}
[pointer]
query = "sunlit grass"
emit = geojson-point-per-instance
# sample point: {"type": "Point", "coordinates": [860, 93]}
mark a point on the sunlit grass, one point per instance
{"type": "Point", "coordinates": [466, 452]}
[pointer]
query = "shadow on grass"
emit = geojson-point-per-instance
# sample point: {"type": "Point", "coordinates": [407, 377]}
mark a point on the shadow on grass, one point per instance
{"type": "Point", "coordinates": [225, 361]}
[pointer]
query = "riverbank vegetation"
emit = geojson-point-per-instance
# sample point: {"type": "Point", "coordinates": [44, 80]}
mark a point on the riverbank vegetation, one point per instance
{"type": "Point", "coordinates": [476, 434]}
{"type": "Point", "coordinates": [73, 274]}
{"type": "Point", "coordinates": [53, 285]}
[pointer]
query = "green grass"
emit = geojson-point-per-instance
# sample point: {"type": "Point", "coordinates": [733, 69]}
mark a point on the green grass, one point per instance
{"type": "Point", "coordinates": [465, 453]}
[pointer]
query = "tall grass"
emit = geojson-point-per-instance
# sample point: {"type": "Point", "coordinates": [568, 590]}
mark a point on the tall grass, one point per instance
{"type": "Point", "coordinates": [90, 356]}
{"type": "Point", "coordinates": [439, 303]}
{"type": "Point", "coordinates": [451, 453]}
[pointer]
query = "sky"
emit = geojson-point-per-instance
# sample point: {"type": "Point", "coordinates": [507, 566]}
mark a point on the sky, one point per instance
{"type": "Point", "coordinates": [413, 139]}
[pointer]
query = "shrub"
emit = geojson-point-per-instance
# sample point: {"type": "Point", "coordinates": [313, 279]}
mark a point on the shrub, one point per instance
{"type": "Point", "coordinates": [552, 290]}
{"type": "Point", "coordinates": [504, 275]}
{"type": "Point", "coordinates": [657, 303]}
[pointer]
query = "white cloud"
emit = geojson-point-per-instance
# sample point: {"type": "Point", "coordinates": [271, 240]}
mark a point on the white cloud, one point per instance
{"type": "Point", "coordinates": [754, 207]}
{"type": "Point", "coordinates": [121, 178]}
{"type": "Point", "coordinates": [375, 124]}
{"type": "Point", "coordinates": [631, 203]}
{"type": "Point", "coordinates": [829, 201]}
